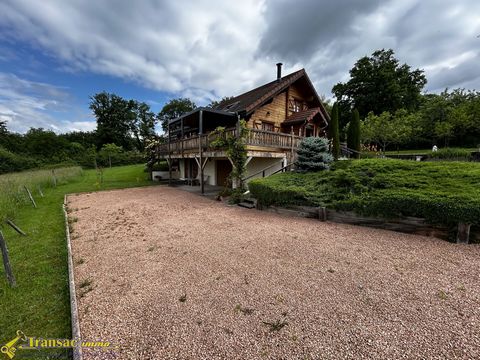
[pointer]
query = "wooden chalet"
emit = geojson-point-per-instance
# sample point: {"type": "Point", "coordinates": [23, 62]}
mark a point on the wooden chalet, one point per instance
{"type": "Point", "coordinates": [279, 114]}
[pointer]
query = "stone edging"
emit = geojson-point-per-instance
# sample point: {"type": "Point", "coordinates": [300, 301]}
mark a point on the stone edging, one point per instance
{"type": "Point", "coordinates": [77, 351]}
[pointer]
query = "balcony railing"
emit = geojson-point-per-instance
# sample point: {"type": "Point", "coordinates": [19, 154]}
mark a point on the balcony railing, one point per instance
{"type": "Point", "coordinates": [260, 138]}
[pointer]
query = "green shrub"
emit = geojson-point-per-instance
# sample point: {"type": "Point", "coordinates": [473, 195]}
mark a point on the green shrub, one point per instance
{"type": "Point", "coordinates": [441, 192]}
{"type": "Point", "coordinates": [313, 154]}
{"type": "Point", "coordinates": [10, 162]}
{"type": "Point", "coordinates": [159, 166]}
{"type": "Point", "coordinates": [451, 154]}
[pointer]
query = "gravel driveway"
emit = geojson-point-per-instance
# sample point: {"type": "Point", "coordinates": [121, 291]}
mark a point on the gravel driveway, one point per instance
{"type": "Point", "coordinates": [167, 274]}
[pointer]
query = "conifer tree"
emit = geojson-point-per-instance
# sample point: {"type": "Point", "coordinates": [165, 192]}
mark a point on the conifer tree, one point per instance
{"type": "Point", "coordinates": [353, 133]}
{"type": "Point", "coordinates": [313, 155]}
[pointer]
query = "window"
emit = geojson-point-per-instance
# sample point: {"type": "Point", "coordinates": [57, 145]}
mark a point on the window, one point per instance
{"type": "Point", "coordinates": [267, 126]}
{"type": "Point", "coordinates": [296, 105]}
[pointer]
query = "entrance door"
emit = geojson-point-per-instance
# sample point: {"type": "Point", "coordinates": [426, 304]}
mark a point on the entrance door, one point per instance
{"type": "Point", "coordinates": [191, 168]}
{"type": "Point", "coordinates": [224, 168]}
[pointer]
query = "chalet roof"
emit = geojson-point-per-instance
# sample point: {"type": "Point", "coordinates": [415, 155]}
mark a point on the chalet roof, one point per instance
{"type": "Point", "coordinates": [249, 101]}
{"type": "Point", "coordinates": [302, 116]}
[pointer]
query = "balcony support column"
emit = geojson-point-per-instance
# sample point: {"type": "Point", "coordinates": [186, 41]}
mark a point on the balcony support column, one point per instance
{"type": "Point", "coordinates": [200, 150]}
{"type": "Point", "coordinates": [169, 158]}
{"type": "Point", "coordinates": [183, 134]}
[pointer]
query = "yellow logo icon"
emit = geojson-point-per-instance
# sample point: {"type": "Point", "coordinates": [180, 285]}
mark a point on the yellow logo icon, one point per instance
{"type": "Point", "coordinates": [10, 348]}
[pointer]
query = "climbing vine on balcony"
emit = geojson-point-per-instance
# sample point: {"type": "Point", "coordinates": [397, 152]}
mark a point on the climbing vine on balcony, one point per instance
{"type": "Point", "coordinates": [235, 148]}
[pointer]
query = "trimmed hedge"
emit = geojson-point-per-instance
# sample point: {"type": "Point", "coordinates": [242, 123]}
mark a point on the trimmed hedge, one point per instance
{"type": "Point", "coordinates": [451, 154]}
{"type": "Point", "coordinates": [441, 192]}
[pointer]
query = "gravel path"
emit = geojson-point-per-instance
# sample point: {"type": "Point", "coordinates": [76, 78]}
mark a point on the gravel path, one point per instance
{"type": "Point", "coordinates": [167, 274]}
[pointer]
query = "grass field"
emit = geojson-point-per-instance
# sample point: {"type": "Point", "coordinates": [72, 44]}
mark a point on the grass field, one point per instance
{"type": "Point", "coordinates": [39, 305]}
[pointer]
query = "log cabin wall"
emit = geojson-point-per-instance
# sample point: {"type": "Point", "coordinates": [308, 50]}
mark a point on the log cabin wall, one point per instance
{"type": "Point", "coordinates": [296, 93]}
{"type": "Point", "coordinates": [280, 108]}
{"type": "Point", "coordinates": [273, 113]}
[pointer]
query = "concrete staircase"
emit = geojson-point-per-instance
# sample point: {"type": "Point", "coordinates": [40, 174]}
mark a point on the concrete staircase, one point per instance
{"type": "Point", "coordinates": [249, 203]}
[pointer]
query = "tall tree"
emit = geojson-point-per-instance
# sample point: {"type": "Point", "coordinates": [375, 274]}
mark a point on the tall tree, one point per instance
{"type": "Point", "coordinates": [334, 132]}
{"type": "Point", "coordinates": [173, 109]}
{"type": "Point", "coordinates": [379, 83]}
{"type": "Point", "coordinates": [144, 124]}
{"type": "Point", "coordinates": [353, 133]}
{"type": "Point", "coordinates": [115, 119]}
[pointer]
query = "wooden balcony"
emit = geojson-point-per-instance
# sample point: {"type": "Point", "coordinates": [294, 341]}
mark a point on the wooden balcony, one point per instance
{"type": "Point", "coordinates": [273, 141]}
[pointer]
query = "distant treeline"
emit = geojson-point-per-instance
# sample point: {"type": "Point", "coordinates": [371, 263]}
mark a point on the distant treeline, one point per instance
{"type": "Point", "coordinates": [396, 113]}
{"type": "Point", "coordinates": [124, 128]}
{"type": "Point", "coordinates": [447, 119]}
{"type": "Point", "coordinates": [43, 148]}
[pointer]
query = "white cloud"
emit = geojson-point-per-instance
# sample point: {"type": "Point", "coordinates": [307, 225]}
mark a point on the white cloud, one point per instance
{"type": "Point", "coordinates": [25, 104]}
{"type": "Point", "coordinates": [203, 46]}
{"type": "Point", "coordinates": [206, 49]}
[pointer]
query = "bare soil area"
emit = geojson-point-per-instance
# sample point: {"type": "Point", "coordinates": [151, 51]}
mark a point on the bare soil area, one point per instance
{"type": "Point", "coordinates": [167, 274]}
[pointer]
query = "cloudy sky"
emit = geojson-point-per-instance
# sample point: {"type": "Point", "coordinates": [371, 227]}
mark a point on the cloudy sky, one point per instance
{"type": "Point", "coordinates": [54, 54]}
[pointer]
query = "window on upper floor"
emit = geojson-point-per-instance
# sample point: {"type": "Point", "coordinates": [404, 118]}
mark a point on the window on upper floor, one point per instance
{"type": "Point", "coordinates": [268, 126]}
{"type": "Point", "coordinates": [296, 105]}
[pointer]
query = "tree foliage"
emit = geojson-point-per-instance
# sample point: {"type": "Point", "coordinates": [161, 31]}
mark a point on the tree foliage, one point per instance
{"type": "Point", "coordinates": [3, 127]}
{"type": "Point", "coordinates": [313, 155]}
{"type": "Point", "coordinates": [173, 109]}
{"type": "Point", "coordinates": [386, 129]}
{"type": "Point", "coordinates": [353, 133]}
{"type": "Point", "coordinates": [115, 119]}
{"type": "Point", "coordinates": [126, 123]}
{"type": "Point", "coordinates": [333, 131]}
{"type": "Point", "coordinates": [144, 125]}
{"type": "Point", "coordinates": [218, 103]}
{"type": "Point", "coordinates": [380, 83]}
{"type": "Point", "coordinates": [235, 149]}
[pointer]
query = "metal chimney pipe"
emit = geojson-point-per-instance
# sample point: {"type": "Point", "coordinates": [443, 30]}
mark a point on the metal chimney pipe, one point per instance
{"type": "Point", "coordinates": [279, 71]}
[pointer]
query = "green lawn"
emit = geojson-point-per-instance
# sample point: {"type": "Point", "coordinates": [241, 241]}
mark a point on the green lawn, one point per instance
{"type": "Point", "coordinates": [39, 305]}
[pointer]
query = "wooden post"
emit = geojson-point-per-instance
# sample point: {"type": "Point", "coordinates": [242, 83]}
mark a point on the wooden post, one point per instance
{"type": "Point", "coordinates": [183, 134]}
{"type": "Point", "coordinates": [200, 132]}
{"type": "Point", "coordinates": [15, 227]}
{"type": "Point", "coordinates": [55, 178]}
{"type": "Point", "coordinates": [169, 159]}
{"type": "Point", "coordinates": [291, 143]}
{"type": "Point", "coordinates": [463, 233]}
{"type": "Point", "coordinates": [322, 213]}
{"type": "Point", "coordinates": [237, 135]}
{"type": "Point", "coordinates": [6, 262]}
{"type": "Point", "coordinates": [30, 196]}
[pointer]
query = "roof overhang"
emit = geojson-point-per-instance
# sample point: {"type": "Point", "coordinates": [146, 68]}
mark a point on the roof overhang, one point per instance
{"type": "Point", "coordinates": [305, 116]}
{"type": "Point", "coordinates": [205, 110]}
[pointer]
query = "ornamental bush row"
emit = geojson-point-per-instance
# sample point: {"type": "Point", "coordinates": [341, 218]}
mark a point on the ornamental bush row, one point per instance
{"type": "Point", "coordinates": [441, 192]}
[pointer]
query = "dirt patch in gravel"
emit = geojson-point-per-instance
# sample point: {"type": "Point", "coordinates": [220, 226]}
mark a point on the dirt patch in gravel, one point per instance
{"type": "Point", "coordinates": [167, 274]}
